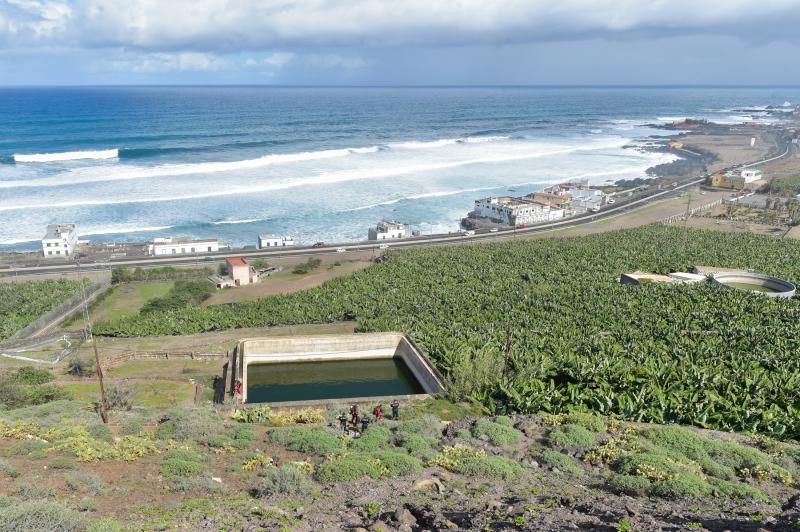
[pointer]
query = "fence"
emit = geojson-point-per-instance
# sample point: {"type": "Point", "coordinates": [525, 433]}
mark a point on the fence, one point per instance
{"type": "Point", "coordinates": [112, 361]}
{"type": "Point", "coordinates": [62, 311]}
{"type": "Point", "coordinates": [684, 215]}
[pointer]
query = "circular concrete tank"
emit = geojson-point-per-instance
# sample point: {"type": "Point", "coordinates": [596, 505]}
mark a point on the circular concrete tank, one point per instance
{"type": "Point", "coordinates": [755, 282]}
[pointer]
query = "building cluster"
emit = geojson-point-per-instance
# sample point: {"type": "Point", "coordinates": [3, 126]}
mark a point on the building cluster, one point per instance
{"type": "Point", "coordinates": [737, 179]}
{"type": "Point", "coordinates": [553, 203]}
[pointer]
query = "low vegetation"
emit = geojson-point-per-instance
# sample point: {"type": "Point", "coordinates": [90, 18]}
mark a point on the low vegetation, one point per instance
{"type": "Point", "coordinates": [121, 274]}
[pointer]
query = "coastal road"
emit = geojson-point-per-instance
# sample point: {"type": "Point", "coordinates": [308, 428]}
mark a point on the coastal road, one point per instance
{"type": "Point", "coordinates": [421, 241]}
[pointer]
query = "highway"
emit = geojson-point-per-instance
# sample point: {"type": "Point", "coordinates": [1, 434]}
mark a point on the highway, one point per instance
{"type": "Point", "coordinates": [421, 241]}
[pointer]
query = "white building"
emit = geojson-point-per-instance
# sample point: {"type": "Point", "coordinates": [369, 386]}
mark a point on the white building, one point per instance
{"type": "Point", "coordinates": [387, 230]}
{"type": "Point", "coordinates": [60, 240]}
{"type": "Point", "coordinates": [274, 241]}
{"type": "Point", "coordinates": [182, 246]}
{"type": "Point", "coordinates": [583, 197]}
{"type": "Point", "coordinates": [751, 174]}
{"type": "Point", "coordinates": [515, 211]}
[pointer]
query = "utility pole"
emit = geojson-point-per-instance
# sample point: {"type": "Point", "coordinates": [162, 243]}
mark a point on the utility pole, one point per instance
{"type": "Point", "coordinates": [87, 324]}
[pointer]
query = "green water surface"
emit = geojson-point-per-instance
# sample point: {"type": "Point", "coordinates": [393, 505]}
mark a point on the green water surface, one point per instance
{"type": "Point", "coordinates": [339, 379]}
{"type": "Point", "coordinates": [751, 286]}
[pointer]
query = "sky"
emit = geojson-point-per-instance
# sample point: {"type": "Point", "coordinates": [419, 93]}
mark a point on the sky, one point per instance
{"type": "Point", "coordinates": [400, 42]}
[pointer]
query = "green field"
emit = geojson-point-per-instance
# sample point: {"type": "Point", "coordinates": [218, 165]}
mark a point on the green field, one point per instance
{"type": "Point", "coordinates": [128, 299]}
{"type": "Point", "coordinates": [148, 394]}
{"type": "Point", "coordinates": [715, 358]}
{"type": "Point", "coordinates": [23, 303]}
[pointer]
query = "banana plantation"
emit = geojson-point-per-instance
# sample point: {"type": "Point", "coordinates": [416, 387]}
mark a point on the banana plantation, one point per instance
{"type": "Point", "coordinates": [545, 325]}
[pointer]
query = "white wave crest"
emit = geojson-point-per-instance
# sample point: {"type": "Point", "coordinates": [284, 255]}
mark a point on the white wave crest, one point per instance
{"type": "Point", "coordinates": [122, 173]}
{"type": "Point", "coordinates": [65, 156]}
{"type": "Point", "coordinates": [425, 145]}
{"type": "Point", "coordinates": [236, 222]}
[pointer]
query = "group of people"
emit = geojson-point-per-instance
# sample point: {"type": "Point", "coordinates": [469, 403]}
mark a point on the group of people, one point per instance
{"type": "Point", "coordinates": [351, 423]}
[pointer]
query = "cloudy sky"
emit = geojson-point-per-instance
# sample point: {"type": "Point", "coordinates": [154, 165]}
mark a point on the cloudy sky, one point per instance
{"type": "Point", "coordinates": [400, 42]}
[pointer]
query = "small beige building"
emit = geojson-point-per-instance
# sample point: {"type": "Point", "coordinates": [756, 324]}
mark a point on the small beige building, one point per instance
{"type": "Point", "coordinates": [240, 273]}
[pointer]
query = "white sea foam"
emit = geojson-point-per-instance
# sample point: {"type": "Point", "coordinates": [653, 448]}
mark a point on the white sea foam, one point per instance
{"type": "Point", "coordinates": [236, 222]}
{"type": "Point", "coordinates": [65, 156]}
{"type": "Point", "coordinates": [425, 145]}
{"type": "Point", "coordinates": [337, 176]}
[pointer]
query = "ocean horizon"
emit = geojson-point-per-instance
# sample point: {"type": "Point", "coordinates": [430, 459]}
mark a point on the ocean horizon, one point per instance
{"type": "Point", "coordinates": [135, 163]}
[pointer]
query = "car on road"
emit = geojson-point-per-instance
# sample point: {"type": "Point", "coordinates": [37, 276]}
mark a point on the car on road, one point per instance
{"type": "Point", "coordinates": [521, 226]}
{"type": "Point", "coordinates": [383, 246]}
{"type": "Point", "coordinates": [340, 250]}
{"type": "Point", "coordinates": [469, 233]}
{"type": "Point", "coordinates": [318, 244]}
{"type": "Point", "coordinates": [611, 201]}
{"type": "Point", "coordinates": [493, 230]}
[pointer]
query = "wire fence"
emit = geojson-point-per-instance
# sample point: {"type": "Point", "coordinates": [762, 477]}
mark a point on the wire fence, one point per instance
{"type": "Point", "coordinates": [61, 312]}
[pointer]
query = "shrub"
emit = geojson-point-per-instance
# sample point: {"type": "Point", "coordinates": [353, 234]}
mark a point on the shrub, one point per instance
{"type": "Point", "coordinates": [656, 466]}
{"type": "Point", "coordinates": [106, 524]}
{"type": "Point", "coordinates": [683, 487]}
{"type": "Point", "coordinates": [475, 462]}
{"type": "Point", "coordinates": [59, 462]}
{"type": "Point", "coordinates": [243, 436]}
{"type": "Point", "coordinates": [746, 461]}
{"type": "Point", "coordinates": [174, 469]}
{"type": "Point", "coordinates": [348, 467]}
{"type": "Point", "coordinates": [78, 367]}
{"type": "Point", "coordinates": [629, 484]}
{"type": "Point", "coordinates": [306, 440]}
{"type": "Point", "coordinates": [28, 492]}
{"type": "Point", "coordinates": [45, 393]}
{"type": "Point", "coordinates": [310, 265]}
{"type": "Point", "coordinates": [183, 294]}
{"type": "Point", "coordinates": [397, 463]}
{"type": "Point", "coordinates": [417, 445]}
{"type": "Point", "coordinates": [497, 433]}
{"type": "Point", "coordinates": [100, 431]}
{"type": "Point", "coordinates": [283, 480]}
{"type": "Point", "coordinates": [256, 414]}
{"type": "Point", "coordinates": [561, 461]}
{"type": "Point", "coordinates": [736, 490]}
{"type": "Point", "coordinates": [33, 375]}
{"type": "Point", "coordinates": [572, 436]}
{"type": "Point", "coordinates": [590, 422]}
{"type": "Point", "coordinates": [131, 427]}
{"type": "Point", "coordinates": [185, 454]}
{"type": "Point", "coordinates": [426, 425]}
{"type": "Point", "coordinates": [40, 516]}
{"type": "Point", "coordinates": [8, 468]}
{"type": "Point", "coordinates": [30, 448]}
{"type": "Point", "coordinates": [190, 424]}
{"type": "Point", "coordinates": [120, 397]}
{"type": "Point", "coordinates": [77, 479]}
{"type": "Point", "coordinates": [374, 438]}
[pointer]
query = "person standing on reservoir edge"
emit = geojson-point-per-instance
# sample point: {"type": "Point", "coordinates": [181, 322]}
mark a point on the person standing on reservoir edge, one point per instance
{"type": "Point", "coordinates": [395, 409]}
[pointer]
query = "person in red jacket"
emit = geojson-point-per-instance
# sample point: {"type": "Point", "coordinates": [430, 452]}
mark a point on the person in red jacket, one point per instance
{"type": "Point", "coordinates": [377, 412]}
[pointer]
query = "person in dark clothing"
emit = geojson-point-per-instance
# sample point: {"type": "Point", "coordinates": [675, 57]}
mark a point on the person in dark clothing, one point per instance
{"type": "Point", "coordinates": [498, 408]}
{"type": "Point", "coordinates": [364, 423]}
{"type": "Point", "coordinates": [354, 414]}
{"type": "Point", "coordinates": [395, 409]}
{"type": "Point", "coordinates": [343, 421]}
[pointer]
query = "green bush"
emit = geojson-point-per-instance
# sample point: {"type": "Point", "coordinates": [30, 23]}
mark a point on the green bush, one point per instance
{"type": "Point", "coordinates": [186, 455]}
{"type": "Point", "coordinates": [348, 467]}
{"type": "Point", "coordinates": [417, 445]}
{"type": "Point", "coordinates": [427, 425]}
{"type": "Point", "coordinates": [373, 439]}
{"type": "Point", "coordinates": [30, 448]}
{"type": "Point", "coordinates": [590, 422]}
{"type": "Point", "coordinates": [28, 492]}
{"type": "Point", "coordinates": [629, 484]}
{"type": "Point", "coordinates": [308, 266]}
{"type": "Point", "coordinates": [283, 480]}
{"type": "Point", "coordinates": [8, 468]}
{"type": "Point", "coordinates": [572, 436]}
{"type": "Point", "coordinates": [76, 480]}
{"type": "Point", "coordinates": [40, 516]}
{"type": "Point", "coordinates": [60, 462]}
{"type": "Point", "coordinates": [174, 469]}
{"type": "Point", "coordinates": [106, 524]}
{"type": "Point", "coordinates": [491, 467]}
{"type": "Point", "coordinates": [683, 487]}
{"type": "Point", "coordinates": [183, 294]}
{"type": "Point", "coordinates": [736, 490]}
{"type": "Point", "coordinates": [100, 431]}
{"type": "Point", "coordinates": [131, 426]}
{"type": "Point", "coordinates": [306, 439]}
{"type": "Point", "coordinates": [33, 375]}
{"type": "Point", "coordinates": [561, 461]}
{"type": "Point", "coordinates": [497, 433]}
{"type": "Point", "coordinates": [397, 464]}
{"type": "Point", "coordinates": [190, 424]}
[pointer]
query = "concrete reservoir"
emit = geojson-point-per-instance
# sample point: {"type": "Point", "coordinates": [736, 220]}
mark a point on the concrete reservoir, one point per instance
{"type": "Point", "coordinates": [313, 369]}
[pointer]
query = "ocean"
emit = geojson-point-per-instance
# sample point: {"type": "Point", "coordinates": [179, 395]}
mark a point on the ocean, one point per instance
{"type": "Point", "coordinates": [319, 164]}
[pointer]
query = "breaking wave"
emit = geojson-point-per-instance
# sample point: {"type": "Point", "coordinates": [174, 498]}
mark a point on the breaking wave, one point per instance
{"type": "Point", "coordinates": [65, 156]}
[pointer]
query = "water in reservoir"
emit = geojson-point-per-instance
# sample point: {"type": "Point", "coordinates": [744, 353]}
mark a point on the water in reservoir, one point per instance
{"type": "Point", "coordinates": [336, 379]}
{"type": "Point", "coordinates": [750, 286]}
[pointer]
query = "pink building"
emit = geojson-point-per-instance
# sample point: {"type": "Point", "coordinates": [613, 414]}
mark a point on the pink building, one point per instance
{"type": "Point", "coordinates": [240, 272]}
